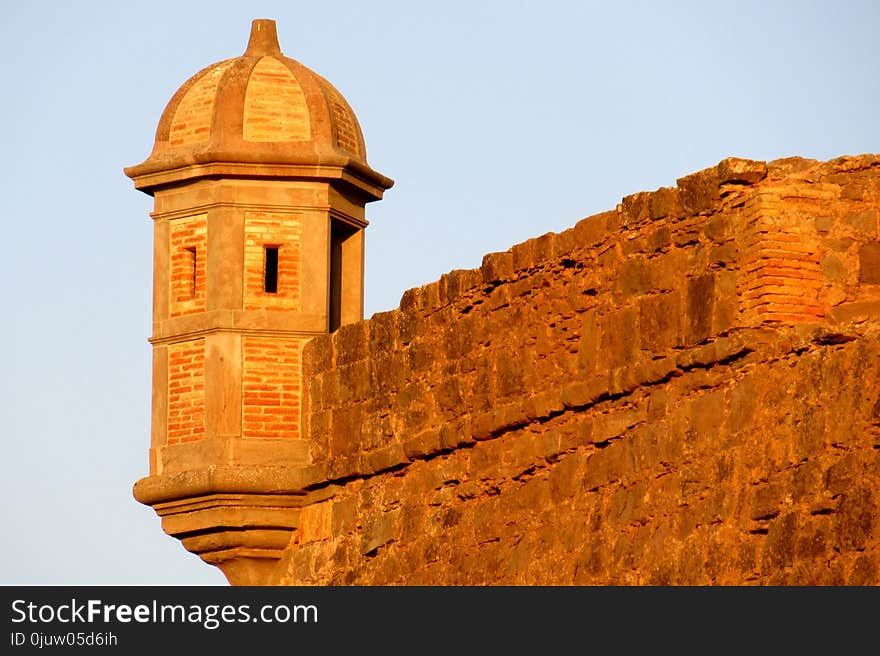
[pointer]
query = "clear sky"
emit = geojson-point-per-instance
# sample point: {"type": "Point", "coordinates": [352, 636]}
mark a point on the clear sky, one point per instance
{"type": "Point", "coordinates": [499, 121]}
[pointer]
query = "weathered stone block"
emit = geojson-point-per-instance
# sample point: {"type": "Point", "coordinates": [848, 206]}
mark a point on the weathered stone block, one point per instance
{"type": "Point", "coordinates": [619, 340]}
{"type": "Point", "coordinates": [741, 171]}
{"type": "Point", "coordinates": [565, 243]}
{"type": "Point", "coordinates": [659, 239]}
{"type": "Point", "coordinates": [612, 426]}
{"type": "Point", "coordinates": [430, 297]}
{"type": "Point", "coordinates": [545, 248]}
{"type": "Point", "coordinates": [834, 269]}
{"type": "Point", "coordinates": [523, 255]}
{"type": "Point", "coordinates": [388, 373]}
{"type": "Point", "coordinates": [668, 270]}
{"type": "Point", "coordinates": [410, 300]}
{"type": "Point", "coordinates": [869, 264]}
{"type": "Point", "coordinates": [358, 379]}
{"type": "Point", "coordinates": [566, 478]}
{"type": "Point", "coordinates": [824, 223]}
{"type": "Point", "coordinates": [660, 322]}
{"type": "Point", "coordinates": [345, 430]}
{"type": "Point", "coordinates": [409, 326]}
{"type": "Point", "coordinates": [582, 393]}
{"type": "Point", "coordinates": [448, 397]}
{"type": "Point", "coordinates": [422, 444]}
{"type": "Point", "coordinates": [317, 355]}
{"type": "Point", "coordinates": [663, 203]}
{"type": "Point", "coordinates": [497, 267]}
{"type": "Point", "coordinates": [864, 221]}
{"type": "Point", "coordinates": [624, 380]}
{"type": "Point", "coordinates": [384, 458]}
{"type": "Point", "coordinates": [855, 311]}
{"type": "Point", "coordinates": [613, 221]}
{"type": "Point", "coordinates": [635, 209]}
{"type": "Point", "coordinates": [421, 354]}
{"type": "Point", "coordinates": [588, 343]}
{"type": "Point", "coordinates": [412, 524]}
{"type": "Point", "coordinates": [343, 466]}
{"type": "Point", "coordinates": [741, 406]}
{"type": "Point", "coordinates": [485, 520]}
{"type": "Point", "coordinates": [634, 243]}
{"type": "Point", "coordinates": [635, 277]}
{"type": "Point", "coordinates": [383, 333]}
{"type": "Point", "coordinates": [700, 307]}
{"type": "Point", "coordinates": [842, 475]}
{"type": "Point", "coordinates": [509, 372]}
{"type": "Point", "coordinates": [457, 282]}
{"type": "Point", "coordinates": [318, 434]}
{"type": "Point", "coordinates": [784, 166]}
{"type": "Point", "coordinates": [543, 405]}
{"type": "Point", "coordinates": [344, 516]}
{"type": "Point", "coordinates": [456, 433]}
{"type": "Point", "coordinates": [707, 417]}
{"type": "Point", "coordinates": [855, 521]}
{"type": "Point", "coordinates": [591, 230]}
{"type": "Point", "coordinates": [698, 192]}
{"type": "Point", "coordinates": [380, 530]}
{"type": "Point", "coordinates": [726, 311]}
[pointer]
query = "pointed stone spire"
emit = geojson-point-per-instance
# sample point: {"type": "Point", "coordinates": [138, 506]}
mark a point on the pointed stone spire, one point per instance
{"type": "Point", "coordinates": [264, 39]}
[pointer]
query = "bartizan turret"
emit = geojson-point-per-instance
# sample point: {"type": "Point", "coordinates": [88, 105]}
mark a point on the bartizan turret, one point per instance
{"type": "Point", "coordinates": [260, 180]}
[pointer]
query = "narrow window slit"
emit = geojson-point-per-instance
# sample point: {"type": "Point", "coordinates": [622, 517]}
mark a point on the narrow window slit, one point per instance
{"type": "Point", "coordinates": [270, 278]}
{"type": "Point", "coordinates": [191, 286]}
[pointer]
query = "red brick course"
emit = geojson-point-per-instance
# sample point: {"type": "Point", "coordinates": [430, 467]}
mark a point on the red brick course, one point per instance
{"type": "Point", "coordinates": [188, 257]}
{"type": "Point", "coordinates": [271, 387]}
{"type": "Point", "coordinates": [186, 391]}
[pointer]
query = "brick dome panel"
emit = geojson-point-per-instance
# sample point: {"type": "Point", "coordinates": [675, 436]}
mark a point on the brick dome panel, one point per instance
{"type": "Point", "coordinates": [192, 118]}
{"type": "Point", "coordinates": [275, 107]}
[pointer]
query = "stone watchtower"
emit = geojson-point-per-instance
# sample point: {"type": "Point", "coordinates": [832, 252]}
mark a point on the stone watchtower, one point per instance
{"type": "Point", "coordinates": [260, 180]}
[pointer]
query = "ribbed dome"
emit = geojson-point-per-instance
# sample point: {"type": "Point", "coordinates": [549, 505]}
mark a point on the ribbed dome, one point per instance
{"type": "Point", "coordinates": [261, 108]}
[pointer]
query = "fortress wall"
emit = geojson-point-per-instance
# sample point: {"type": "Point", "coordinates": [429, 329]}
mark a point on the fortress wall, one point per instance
{"type": "Point", "coordinates": [681, 390]}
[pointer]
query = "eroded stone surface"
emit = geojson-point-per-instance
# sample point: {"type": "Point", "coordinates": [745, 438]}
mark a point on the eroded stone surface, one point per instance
{"type": "Point", "coordinates": [661, 398]}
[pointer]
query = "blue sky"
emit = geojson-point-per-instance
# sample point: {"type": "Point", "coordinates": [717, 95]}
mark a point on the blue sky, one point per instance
{"type": "Point", "coordinates": [499, 121]}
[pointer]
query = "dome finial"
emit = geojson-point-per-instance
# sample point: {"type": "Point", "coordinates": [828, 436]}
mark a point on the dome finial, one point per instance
{"type": "Point", "coordinates": [264, 38]}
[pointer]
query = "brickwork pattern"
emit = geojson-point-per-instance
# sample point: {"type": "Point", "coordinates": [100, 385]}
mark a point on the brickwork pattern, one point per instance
{"type": "Point", "coordinates": [782, 278]}
{"type": "Point", "coordinates": [271, 387]}
{"type": "Point", "coordinates": [274, 229]}
{"type": "Point", "coordinates": [192, 119]}
{"type": "Point", "coordinates": [275, 107]}
{"type": "Point", "coordinates": [188, 257]}
{"type": "Point", "coordinates": [186, 391]}
{"type": "Point", "coordinates": [347, 132]}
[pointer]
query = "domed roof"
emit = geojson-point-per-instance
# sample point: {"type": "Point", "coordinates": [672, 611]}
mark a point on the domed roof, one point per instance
{"type": "Point", "coordinates": [261, 114]}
